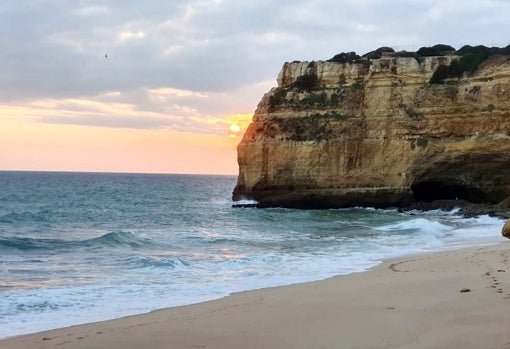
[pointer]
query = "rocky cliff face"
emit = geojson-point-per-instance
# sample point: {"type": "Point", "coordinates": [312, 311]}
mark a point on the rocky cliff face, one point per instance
{"type": "Point", "coordinates": [377, 133]}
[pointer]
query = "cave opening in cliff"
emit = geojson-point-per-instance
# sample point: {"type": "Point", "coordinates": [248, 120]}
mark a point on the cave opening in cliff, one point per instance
{"type": "Point", "coordinates": [436, 190]}
{"type": "Point", "coordinates": [476, 178]}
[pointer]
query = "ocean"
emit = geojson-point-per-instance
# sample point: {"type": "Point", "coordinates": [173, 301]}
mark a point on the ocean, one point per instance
{"type": "Point", "coordinates": [84, 247]}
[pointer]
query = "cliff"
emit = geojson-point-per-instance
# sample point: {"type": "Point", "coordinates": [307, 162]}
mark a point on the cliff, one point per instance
{"type": "Point", "coordinates": [376, 132]}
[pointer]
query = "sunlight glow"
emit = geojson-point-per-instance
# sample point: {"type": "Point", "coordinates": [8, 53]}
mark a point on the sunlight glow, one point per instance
{"type": "Point", "coordinates": [237, 124]}
{"type": "Point", "coordinates": [234, 128]}
{"type": "Point", "coordinates": [38, 146]}
{"type": "Point", "coordinates": [109, 134]}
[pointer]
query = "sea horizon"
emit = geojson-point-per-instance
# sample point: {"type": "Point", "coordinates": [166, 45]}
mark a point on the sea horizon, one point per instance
{"type": "Point", "coordinates": [121, 172]}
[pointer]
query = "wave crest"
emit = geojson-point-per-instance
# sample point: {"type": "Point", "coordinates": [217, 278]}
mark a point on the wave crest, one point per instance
{"type": "Point", "coordinates": [419, 224]}
{"type": "Point", "coordinates": [111, 239]}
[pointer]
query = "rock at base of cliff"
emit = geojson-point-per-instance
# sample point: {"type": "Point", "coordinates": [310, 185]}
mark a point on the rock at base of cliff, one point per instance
{"type": "Point", "coordinates": [506, 229]}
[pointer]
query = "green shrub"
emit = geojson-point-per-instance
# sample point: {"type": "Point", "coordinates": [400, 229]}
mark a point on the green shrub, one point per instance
{"type": "Point", "coordinates": [320, 100]}
{"type": "Point", "coordinates": [422, 142]}
{"type": "Point", "coordinates": [436, 50]}
{"type": "Point", "coordinates": [440, 74]}
{"type": "Point", "coordinates": [471, 58]}
{"type": "Point", "coordinates": [277, 98]}
{"type": "Point", "coordinates": [313, 127]}
{"type": "Point", "coordinates": [307, 82]}
{"type": "Point", "coordinates": [345, 57]}
{"type": "Point", "coordinates": [376, 54]}
{"type": "Point", "coordinates": [335, 99]}
{"type": "Point", "coordinates": [414, 55]}
{"type": "Point", "coordinates": [358, 86]}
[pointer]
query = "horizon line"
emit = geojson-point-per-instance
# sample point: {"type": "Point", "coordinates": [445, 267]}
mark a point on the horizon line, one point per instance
{"type": "Point", "coordinates": [124, 172]}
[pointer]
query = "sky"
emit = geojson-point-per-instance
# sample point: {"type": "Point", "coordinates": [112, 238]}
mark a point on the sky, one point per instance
{"type": "Point", "coordinates": [169, 86]}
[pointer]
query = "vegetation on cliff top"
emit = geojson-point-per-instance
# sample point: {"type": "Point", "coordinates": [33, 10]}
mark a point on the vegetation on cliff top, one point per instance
{"type": "Point", "coordinates": [306, 92]}
{"type": "Point", "coordinates": [426, 51]}
{"type": "Point", "coordinates": [436, 50]}
{"type": "Point", "coordinates": [470, 58]}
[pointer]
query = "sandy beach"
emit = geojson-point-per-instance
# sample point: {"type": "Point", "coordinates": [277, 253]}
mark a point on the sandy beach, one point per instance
{"type": "Point", "coordinates": [455, 299]}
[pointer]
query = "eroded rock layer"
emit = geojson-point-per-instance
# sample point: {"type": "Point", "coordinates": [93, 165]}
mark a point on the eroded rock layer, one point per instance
{"type": "Point", "coordinates": [377, 133]}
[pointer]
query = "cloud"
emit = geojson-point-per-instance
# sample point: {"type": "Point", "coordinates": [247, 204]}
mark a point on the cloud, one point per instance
{"type": "Point", "coordinates": [144, 108]}
{"type": "Point", "coordinates": [181, 64]}
{"type": "Point", "coordinates": [92, 10]}
{"type": "Point", "coordinates": [129, 35]}
{"type": "Point", "coordinates": [166, 92]}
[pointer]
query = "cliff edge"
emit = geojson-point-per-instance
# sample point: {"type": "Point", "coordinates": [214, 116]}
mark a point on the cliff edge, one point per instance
{"type": "Point", "coordinates": [382, 132]}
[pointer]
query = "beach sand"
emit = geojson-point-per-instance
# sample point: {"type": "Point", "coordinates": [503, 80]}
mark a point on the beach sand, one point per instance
{"type": "Point", "coordinates": [456, 299]}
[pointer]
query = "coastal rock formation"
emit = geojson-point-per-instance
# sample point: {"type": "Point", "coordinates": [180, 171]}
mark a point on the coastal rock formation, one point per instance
{"type": "Point", "coordinates": [376, 132]}
{"type": "Point", "coordinates": [506, 229]}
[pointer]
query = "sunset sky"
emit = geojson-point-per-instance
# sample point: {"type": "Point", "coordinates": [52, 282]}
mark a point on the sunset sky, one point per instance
{"type": "Point", "coordinates": [169, 86]}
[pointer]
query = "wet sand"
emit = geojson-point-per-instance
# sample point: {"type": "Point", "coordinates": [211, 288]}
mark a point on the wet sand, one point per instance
{"type": "Point", "coordinates": [456, 299]}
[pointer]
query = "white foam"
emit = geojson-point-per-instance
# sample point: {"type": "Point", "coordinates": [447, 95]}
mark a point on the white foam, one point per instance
{"type": "Point", "coordinates": [245, 202]}
{"type": "Point", "coordinates": [256, 260]}
{"type": "Point", "coordinates": [419, 224]}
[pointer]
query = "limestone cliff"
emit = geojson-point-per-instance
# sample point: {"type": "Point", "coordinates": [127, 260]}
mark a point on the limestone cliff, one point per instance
{"type": "Point", "coordinates": [376, 132]}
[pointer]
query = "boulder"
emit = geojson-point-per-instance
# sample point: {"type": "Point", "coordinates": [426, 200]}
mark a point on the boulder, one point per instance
{"type": "Point", "coordinates": [506, 229]}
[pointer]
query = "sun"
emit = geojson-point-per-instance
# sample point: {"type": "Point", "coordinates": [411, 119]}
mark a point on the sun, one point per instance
{"type": "Point", "coordinates": [234, 128]}
{"type": "Point", "coordinates": [236, 124]}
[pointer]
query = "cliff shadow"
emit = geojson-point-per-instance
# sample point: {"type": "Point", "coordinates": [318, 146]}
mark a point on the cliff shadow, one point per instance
{"type": "Point", "coordinates": [473, 177]}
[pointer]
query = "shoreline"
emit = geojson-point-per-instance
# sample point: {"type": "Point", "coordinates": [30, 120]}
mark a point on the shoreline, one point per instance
{"type": "Point", "coordinates": [466, 209]}
{"type": "Point", "coordinates": [455, 298]}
